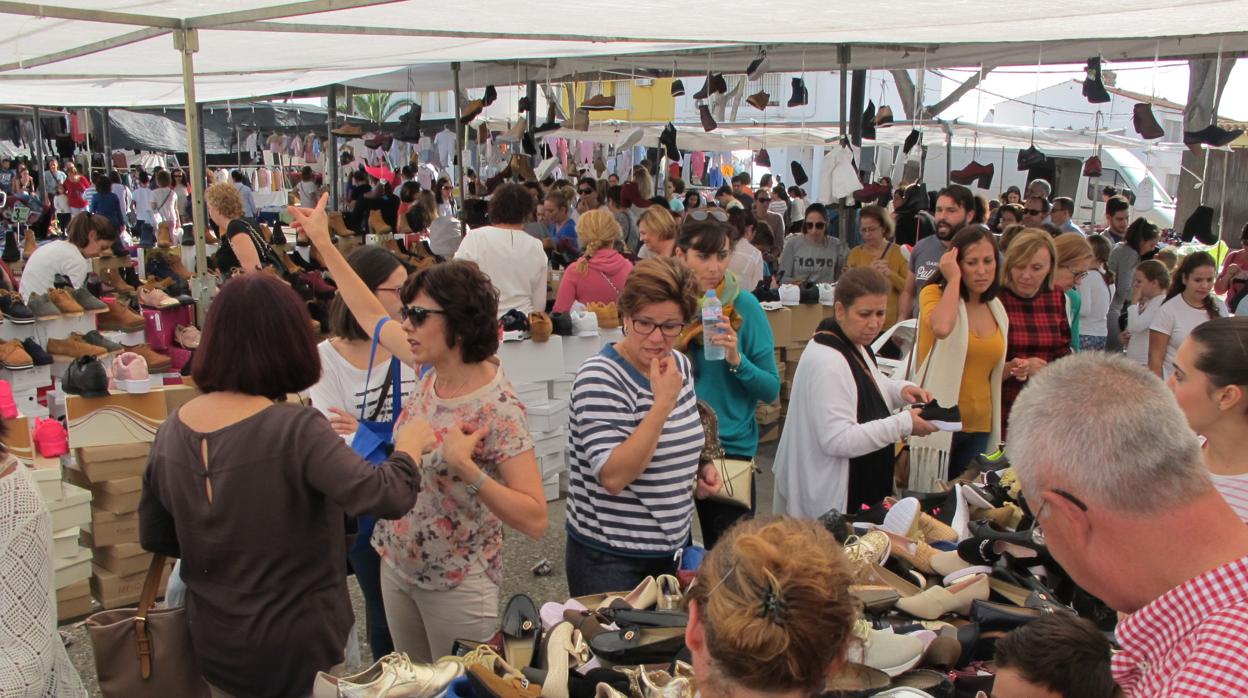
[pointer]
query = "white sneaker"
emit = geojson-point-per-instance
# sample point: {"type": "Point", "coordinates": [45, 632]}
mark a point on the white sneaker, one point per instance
{"type": "Point", "coordinates": [392, 676]}
{"type": "Point", "coordinates": [584, 323]}
{"type": "Point", "coordinates": [827, 294]}
{"type": "Point", "coordinates": [789, 294]}
{"type": "Point", "coordinates": [902, 518]}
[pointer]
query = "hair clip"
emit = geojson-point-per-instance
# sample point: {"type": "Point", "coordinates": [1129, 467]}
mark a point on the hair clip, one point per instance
{"type": "Point", "coordinates": [773, 607]}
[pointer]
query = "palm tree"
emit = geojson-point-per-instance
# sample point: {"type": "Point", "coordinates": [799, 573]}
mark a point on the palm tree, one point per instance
{"type": "Point", "coordinates": [377, 107]}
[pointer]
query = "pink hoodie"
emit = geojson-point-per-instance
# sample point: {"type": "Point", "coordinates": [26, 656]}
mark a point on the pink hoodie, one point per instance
{"type": "Point", "coordinates": [602, 282]}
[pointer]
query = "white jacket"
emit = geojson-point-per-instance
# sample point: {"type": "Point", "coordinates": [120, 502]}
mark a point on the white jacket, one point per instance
{"type": "Point", "coordinates": [822, 431]}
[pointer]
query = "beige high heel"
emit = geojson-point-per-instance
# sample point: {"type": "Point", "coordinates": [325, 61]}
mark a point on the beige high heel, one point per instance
{"type": "Point", "coordinates": [670, 595]}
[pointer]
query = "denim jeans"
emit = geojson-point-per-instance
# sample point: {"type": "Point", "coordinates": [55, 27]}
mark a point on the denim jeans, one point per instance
{"type": "Point", "coordinates": [966, 445]}
{"type": "Point", "coordinates": [592, 571]}
{"type": "Point", "coordinates": [367, 566]}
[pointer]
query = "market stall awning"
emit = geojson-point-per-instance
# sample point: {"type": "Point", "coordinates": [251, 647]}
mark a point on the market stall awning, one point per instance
{"type": "Point", "coordinates": [120, 52]}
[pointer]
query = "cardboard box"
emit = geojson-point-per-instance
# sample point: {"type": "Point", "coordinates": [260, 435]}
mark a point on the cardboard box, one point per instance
{"type": "Point", "coordinates": [118, 501]}
{"type": "Point", "coordinates": [532, 362]}
{"type": "Point", "coordinates": [107, 528]}
{"type": "Point", "coordinates": [772, 434]}
{"type": "Point", "coordinates": [786, 389]}
{"type": "Point", "coordinates": [767, 415]}
{"type": "Point", "coordinates": [781, 322]}
{"type": "Point", "coordinates": [104, 463]}
{"type": "Point", "coordinates": [806, 319]}
{"type": "Point", "coordinates": [76, 607]}
{"type": "Point", "coordinates": [178, 395]}
{"type": "Point", "coordinates": [65, 542]}
{"type": "Point", "coordinates": [73, 591]}
{"type": "Point", "coordinates": [551, 416]}
{"type": "Point", "coordinates": [121, 418]}
{"type": "Point", "coordinates": [72, 569]}
{"type": "Point", "coordinates": [17, 440]}
{"type": "Point", "coordinates": [72, 509]}
{"type": "Point", "coordinates": [74, 601]}
{"type": "Point", "coordinates": [124, 559]}
{"type": "Point", "coordinates": [113, 591]}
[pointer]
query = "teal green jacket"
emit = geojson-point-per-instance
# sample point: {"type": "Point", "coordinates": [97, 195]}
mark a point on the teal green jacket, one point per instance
{"type": "Point", "coordinates": [1075, 304]}
{"type": "Point", "coordinates": [735, 396]}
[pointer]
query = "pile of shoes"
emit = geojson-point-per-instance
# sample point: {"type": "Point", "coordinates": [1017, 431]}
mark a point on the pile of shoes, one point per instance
{"type": "Point", "coordinates": [941, 577]}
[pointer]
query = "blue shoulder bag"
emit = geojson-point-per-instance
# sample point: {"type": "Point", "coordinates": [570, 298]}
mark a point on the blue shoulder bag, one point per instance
{"type": "Point", "coordinates": [374, 441]}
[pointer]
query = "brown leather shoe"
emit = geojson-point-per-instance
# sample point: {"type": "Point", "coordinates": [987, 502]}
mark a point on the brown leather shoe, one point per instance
{"type": "Point", "coordinates": [759, 100]}
{"type": "Point", "coordinates": [112, 277]}
{"type": "Point", "coordinates": [540, 327]}
{"type": "Point", "coordinates": [74, 348]}
{"type": "Point", "coordinates": [378, 225]}
{"type": "Point", "coordinates": [163, 238]}
{"type": "Point", "coordinates": [13, 356]}
{"type": "Point", "coordinates": [64, 302]}
{"type": "Point", "coordinates": [156, 361]}
{"type": "Point", "coordinates": [29, 245]}
{"type": "Point", "coordinates": [120, 318]}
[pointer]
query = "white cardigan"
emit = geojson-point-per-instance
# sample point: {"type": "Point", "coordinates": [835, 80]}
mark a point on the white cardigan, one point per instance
{"type": "Point", "coordinates": [822, 431]}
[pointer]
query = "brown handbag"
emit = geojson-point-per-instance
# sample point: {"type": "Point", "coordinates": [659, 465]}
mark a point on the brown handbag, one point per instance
{"type": "Point", "coordinates": [145, 651]}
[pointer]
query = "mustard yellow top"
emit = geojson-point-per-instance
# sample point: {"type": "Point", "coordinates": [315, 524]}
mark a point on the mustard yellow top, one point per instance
{"type": "Point", "coordinates": [982, 355]}
{"type": "Point", "coordinates": [860, 256]}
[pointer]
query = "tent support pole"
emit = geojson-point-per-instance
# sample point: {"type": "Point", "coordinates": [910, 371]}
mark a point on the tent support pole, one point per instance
{"type": "Point", "coordinates": [47, 195]}
{"type": "Point", "coordinates": [459, 143]}
{"type": "Point", "coordinates": [187, 43]}
{"type": "Point", "coordinates": [857, 97]}
{"type": "Point", "coordinates": [843, 56]}
{"type": "Point", "coordinates": [331, 149]}
{"type": "Point", "coordinates": [105, 141]}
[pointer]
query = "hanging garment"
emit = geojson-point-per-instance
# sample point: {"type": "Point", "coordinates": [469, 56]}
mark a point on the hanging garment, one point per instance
{"type": "Point", "coordinates": [275, 143]}
{"type": "Point", "coordinates": [75, 131]}
{"type": "Point", "coordinates": [838, 175]}
{"type": "Point", "coordinates": [444, 142]}
{"type": "Point", "coordinates": [250, 142]}
{"type": "Point", "coordinates": [295, 146]}
{"type": "Point", "coordinates": [262, 180]}
{"type": "Point", "coordinates": [697, 164]}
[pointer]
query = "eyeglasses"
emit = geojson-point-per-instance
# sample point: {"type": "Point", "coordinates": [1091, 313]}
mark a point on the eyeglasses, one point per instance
{"type": "Point", "coordinates": [417, 315]}
{"type": "Point", "coordinates": [815, 225]}
{"type": "Point", "coordinates": [447, 187]}
{"type": "Point", "coordinates": [702, 213]}
{"type": "Point", "coordinates": [645, 328]}
{"type": "Point", "coordinates": [1037, 533]}
{"type": "Point", "coordinates": [1033, 211]}
{"type": "Point", "coordinates": [1077, 274]}
{"type": "Point", "coordinates": [395, 289]}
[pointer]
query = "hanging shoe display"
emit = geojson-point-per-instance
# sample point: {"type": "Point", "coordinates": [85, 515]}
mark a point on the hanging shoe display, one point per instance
{"type": "Point", "coordinates": [1029, 158]}
{"type": "Point", "coordinates": [911, 140]}
{"type": "Point", "coordinates": [1093, 85]}
{"type": "Point", "coordinates": [409, 125]}
{"type": "Point", "coordinates": [759, 100]}
{"type": "Point", "coordinates": [598, 102]}
{"type": "Point", "coordinates": [972, 172]}
{"type": "Point", "coordinates": [1199, 226]}
{"type": "Point", "coordinates": [868, 121]}
{"type": "Point", "coordinates": [799, 173]}
{"type": "Point", "coordinates": [678, 88]}
{"type": "Point", "coordinates": [668, 140]}
{"type": "Point", "coordinates": [762, 158]}
{"type": "Point", "coordinates": [800, 96]}
{"type": "Point", "coordinates": [758, 67]}
{"type": "Point", "coordinates": [1092, 167]}
{"type": "Point", "coordinates": [1213, 136]}
{"type": "Point", "coordinates": [471, 110]}
{"type": "Point", "coordinates": [1145, 122]}
{"type": "Point", "coordinates": [708, 122]}
{"type": "Point", "coordinates": [490, 95]}
{"type": "Point", "coordinates": [884, 116]}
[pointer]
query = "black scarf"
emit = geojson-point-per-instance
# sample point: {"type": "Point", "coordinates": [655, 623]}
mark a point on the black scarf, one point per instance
{"type": "Point", "coordinates": [871, 474]}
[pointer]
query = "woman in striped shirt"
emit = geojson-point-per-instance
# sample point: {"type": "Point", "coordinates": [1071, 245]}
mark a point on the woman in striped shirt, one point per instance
{"type": "Point", "coordinates": [635, 440]}
{"type": "Point", "coordinates": [1210, 382]}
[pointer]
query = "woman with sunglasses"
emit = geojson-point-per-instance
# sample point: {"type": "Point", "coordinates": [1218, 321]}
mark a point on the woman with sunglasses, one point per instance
{"type": "Point", "coordinates": [446, 199]}
{"type": "Point", "coordinates": [182, 190]}
{"type": "Point", "coordinates": [636, 440]}
{"type": "Point", "coordinates": [1040, 330]}
{"type": "Point", "coordinates": [815, 257]}
{"type": "Point", "coordinates": [443, 560]}
{"type": "Point", "coordinates": [747, 375]}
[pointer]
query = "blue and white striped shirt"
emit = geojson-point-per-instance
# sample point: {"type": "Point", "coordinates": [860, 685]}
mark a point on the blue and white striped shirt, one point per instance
{"type": "Point", "coordinates": [653, 514]}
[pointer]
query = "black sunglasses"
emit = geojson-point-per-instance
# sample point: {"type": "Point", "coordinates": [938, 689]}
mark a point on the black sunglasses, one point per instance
{"type": "Point", "coordinates": [1033, 212]}
{"type": "Point", "coordinates": [585, 191]}
{"type": "Point", "coordinates": [417, 315]}
{"type": "Point", "coordinates": [817, 225]}
{"type": "Point", "coordinates": [702, 213]}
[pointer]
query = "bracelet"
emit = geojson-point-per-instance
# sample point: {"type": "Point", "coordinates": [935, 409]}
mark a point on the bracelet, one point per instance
{"type": "Point", "coordinates": [475, 487]}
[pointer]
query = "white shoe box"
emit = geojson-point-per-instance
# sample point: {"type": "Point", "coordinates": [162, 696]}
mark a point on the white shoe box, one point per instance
{"type": "Point", "coordinates": [533, 394]}
{"type": "Point", "coordinates": [561, 388]}
{"type": "Point", "coordinates": [550, 416]}
{"type": "Point", "coordinates": [549, 443]}
{"type": "Point", "coordinates": [27, 381]}
{"type": "Point", "coordinates": [533, 362]}
{"type": "Point", "coordinates": [550, 487]}
{"type": "Point", "coordinates": [576, 350]}
{"type": "Point", "coordinates": [74, 569]}
{"type": "Point", "coordinates": [65, 542]}
{"type": "Point", "coordinates": [72, 509]}
{"type": "Point", "coordinates": [553, 464]}
{"type": "Point", "coordinates": [48, 480]}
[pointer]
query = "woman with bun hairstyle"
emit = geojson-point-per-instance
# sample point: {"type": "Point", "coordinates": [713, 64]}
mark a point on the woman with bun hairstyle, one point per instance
{"type": "Point", "coordinates": [600, 273]}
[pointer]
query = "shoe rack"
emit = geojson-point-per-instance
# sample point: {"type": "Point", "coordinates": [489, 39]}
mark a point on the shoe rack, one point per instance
{"type": "Point", "coordinates": [28, 382]}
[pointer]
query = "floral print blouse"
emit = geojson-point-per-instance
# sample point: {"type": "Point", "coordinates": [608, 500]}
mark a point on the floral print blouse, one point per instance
{"type": "Point", "coordinates": [448, 530]}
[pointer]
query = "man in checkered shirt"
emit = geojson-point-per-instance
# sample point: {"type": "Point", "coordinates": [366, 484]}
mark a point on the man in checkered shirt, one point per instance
{"type": "Point", "coordinates": [1115, 478]}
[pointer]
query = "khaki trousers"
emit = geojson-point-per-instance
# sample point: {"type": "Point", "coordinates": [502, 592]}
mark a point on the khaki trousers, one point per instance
{"type": "Point", "coordinates": [425, 624]}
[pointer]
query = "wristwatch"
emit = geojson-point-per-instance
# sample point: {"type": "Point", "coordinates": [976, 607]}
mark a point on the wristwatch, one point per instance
{"type": "Point", "coordinates": [475, 487]}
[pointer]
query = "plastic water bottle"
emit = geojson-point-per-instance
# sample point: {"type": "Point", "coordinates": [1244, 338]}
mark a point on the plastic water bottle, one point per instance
{"type": "Point", "coordinates": [712, 314]}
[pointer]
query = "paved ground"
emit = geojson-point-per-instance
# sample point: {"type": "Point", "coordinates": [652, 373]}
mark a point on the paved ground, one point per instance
{"type": "Point", "coordinates": [519, 556]}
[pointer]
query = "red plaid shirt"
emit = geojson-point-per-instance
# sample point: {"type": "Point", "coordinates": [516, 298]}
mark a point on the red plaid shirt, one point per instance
{"type": "Point", "coordinates": [1038, 329]}
{"type": "Point", "coordinates": [1192, 641]}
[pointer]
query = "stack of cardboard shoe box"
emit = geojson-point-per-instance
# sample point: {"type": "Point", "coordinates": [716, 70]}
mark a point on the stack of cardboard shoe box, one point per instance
{"type": "Point", "coordinates": [111, 440]}
{"type": "Point", "coordinates": [70, 510]}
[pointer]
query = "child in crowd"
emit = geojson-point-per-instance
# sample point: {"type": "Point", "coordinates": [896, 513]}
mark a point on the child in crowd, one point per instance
{"type": "Point", "coordinates": [1152, 278]}
{"type": "Point", "coordinates": [1054, 655]}
{"type": "Point", "coordinates": [1096, 288]}
{"type": "Point", "coordinates": [60, 203]}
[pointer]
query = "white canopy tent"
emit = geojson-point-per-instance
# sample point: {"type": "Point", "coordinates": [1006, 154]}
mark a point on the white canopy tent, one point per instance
{"type": "Point", "coordinates": [137, 52]}
{"type": "Point", "coordinates": [119, 52]}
